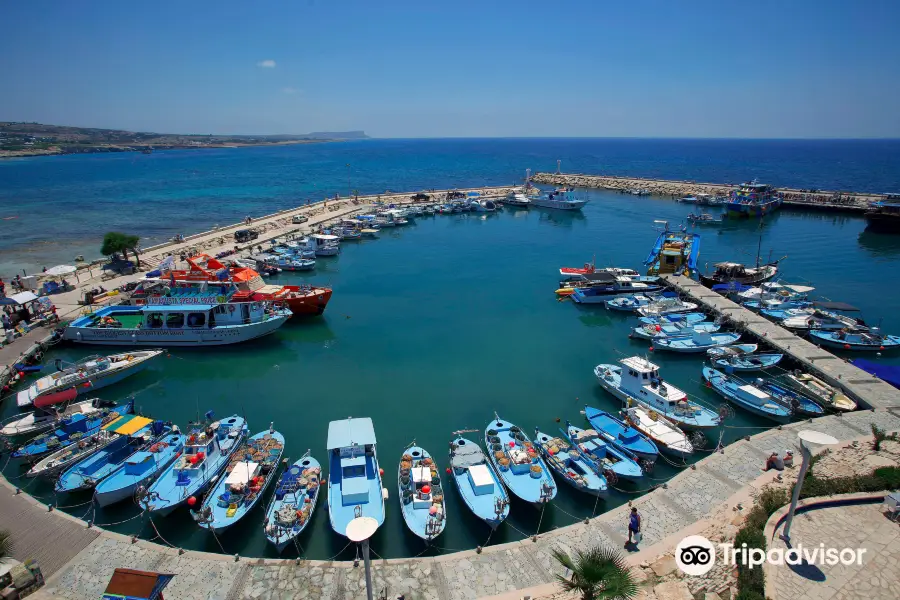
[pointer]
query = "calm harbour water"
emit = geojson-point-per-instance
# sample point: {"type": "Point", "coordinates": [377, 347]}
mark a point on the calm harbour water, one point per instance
{"type": "Point", "coordinates": [439, 323]}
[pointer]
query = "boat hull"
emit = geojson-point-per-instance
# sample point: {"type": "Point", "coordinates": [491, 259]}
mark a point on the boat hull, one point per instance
{"type": "Point", "coordinates": [310, 304]}
{"type": "Point", "coordinates": [183, 337]}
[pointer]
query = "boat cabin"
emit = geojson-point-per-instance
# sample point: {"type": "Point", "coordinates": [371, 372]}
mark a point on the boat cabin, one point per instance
{"type": "Point", "coordinates": [640, 378]}
{"type": "Point", "coordinates": [351, 444]}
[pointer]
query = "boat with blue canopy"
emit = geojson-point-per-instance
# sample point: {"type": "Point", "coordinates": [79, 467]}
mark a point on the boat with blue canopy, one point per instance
{"type": "Point", "coordinates": [354, 478]}
{"type": "Point", "coordinates": [206, 453]}
{"type": "Point", "coordinates": [139, 469]}
{"type": "Point", "coordinates": [691, 317]}
{"type": "Point", "coordinates": [49, 413]}
{"type": "Point", "coordinates": [421, 493]}
{"type": "Point", "coordinates": [250, 470]}
{"type": "Point", "coordinates": [611, 462]}
{"type": "Point", "coordinates": [137, 434]}
{"type": "Point", "coordinates": [518, 462]}
{"type": "Point", "coordinates": [569, 464]}
{"type": "Point", "coordinates": [793, 400]}
{"type": "Point", "coordinates": [673, 252]}
{"type": "Point", "coordinates": [698, 341]}
{"type": "Point", "coordinates": [294, 502]}
{"type": "Point", "coordinates": [669, 330]}
{"type": "Point", "coordinates": [746, 396]}
{"type": "Point", "coordinates": [477, 483]}
{"type": "Point", "coordinates": [860, 341]}
{"type": "Point", "coordinates": [70, 430]}
{"type": "Point", "coordinates": [620, 435]}
{"type": "Point", "coordinates": [735, 358]}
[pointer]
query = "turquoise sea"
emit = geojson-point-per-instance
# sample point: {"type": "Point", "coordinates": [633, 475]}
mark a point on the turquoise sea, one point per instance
{"type": "Point", "coordinates": [440, 323]}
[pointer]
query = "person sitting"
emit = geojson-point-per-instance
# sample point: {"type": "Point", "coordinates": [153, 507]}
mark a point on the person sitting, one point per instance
{"type": "Point", "coordinates": [774, 462]}
{"type": "Point", "coordinates": [788, 459]}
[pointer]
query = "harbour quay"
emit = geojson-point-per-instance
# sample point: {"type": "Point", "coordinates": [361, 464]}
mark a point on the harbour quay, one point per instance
{"type": "Point", "coordinates": [836, 201]}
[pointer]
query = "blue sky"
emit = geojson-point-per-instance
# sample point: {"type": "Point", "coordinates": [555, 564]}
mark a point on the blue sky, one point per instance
{"type": "Point", "coordinates": [398, 68]}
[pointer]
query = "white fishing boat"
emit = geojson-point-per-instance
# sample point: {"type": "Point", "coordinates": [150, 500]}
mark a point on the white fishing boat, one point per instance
{"type": "Point", "coordinates": [88, 374]}
{"type": "Point", "coordinates": [326, 244]}
{"type": "Point", "coordinates": [517, 199]}
{"type": "Point", "coordinates": [562, 199]}
{"type": "Point", "coordinates": [49, 411]}
{"type": "Point", "coordinates": [665, 306]}
{"type": "Point", "coordinates": [664, 433]}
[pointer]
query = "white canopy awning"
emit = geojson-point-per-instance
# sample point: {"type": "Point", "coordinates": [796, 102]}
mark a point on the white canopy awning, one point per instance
{"type": "Point", "coordinates": [242, 473]}
{"type": "Point", "coordinates": [23, 297]}
{"type": "Point", "coordinates": [60, 270]}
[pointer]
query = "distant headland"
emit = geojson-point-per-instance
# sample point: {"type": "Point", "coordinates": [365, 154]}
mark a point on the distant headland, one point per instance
{"type": "Point", "coordinates": [18, 139]}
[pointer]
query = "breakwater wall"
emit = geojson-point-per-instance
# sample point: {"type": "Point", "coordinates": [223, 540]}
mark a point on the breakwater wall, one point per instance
{"type": "Point", "coordinates": [811, 199]}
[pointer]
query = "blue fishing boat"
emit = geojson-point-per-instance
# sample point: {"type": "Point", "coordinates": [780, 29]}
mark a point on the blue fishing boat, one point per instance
{"type": "Point", "coordinates": [354, 479]}
{"type": "Point", "coordinates": [206, 453]}
{"type": "Point", "coordinates": [860, 341]}
{"type": "Point", "coordinates": [250, 470]}
{"type": "Point", "coordinates": [421, 494]}
{"type": "Point", "coordinates": [138, 434]}
{"type": "Point", "coordinates": [70, 430]}
{"type": "Point", "coordinates": [569, 464]}
{"type": "Point", "coordinates": [746, 396]}
{"type": "Point", "coordinates": [605, 286]}
{"type": "Point", "coordinates": [49, 413]}
{"type": "Point", "coordinates": [295, 500]}
{"type": "Point", "coordinates": [621, 435]}
{"type": "Point", "coordinates": [611, 462]}
{"type": "Point", "coordinates": [518, 463]}
{"type": "Point", "coordinates": [698, 341]}
{"type": "Point", "coordinates": [670, 330]}
{"type": "Point", "coordinates": [476, 481]}
{"type": "Point", "coordinates": [720, 351]}
{"type": "Point", "coordinates": [630, 303]}
{"type": "Point", "coordinates": [793, 400]}
{"type": "Point", "coordinates": [638, 382]}
{"type": "Point", "coordinates": [732, 360]}
{"type": "Point", "coordinates": [139, 469]}
{"type": "Point", "coordinates": [673, 252]}
{"type": "Point", "coordinates": [691, 317]}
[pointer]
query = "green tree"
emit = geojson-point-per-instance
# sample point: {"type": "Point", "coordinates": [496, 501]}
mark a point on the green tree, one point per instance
{"type": "Point", "coordinates": [5, 544]}
{"type": "Point", "coordinates": [115, 242]}
{"type": "Point", "coordinates": [597, 574]}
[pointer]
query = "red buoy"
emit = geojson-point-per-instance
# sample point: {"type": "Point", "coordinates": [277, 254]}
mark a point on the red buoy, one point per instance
{"type": "Point", "coordinates": [846, 346]}
{"type": "Point", "coordinates": [192, 501]}
{"type": "Point", "coordinates": [449, 470]}
{"type": "Point", "coordinates": [381, 472]}
{"type": "Point", "coordinates": [426, 489]}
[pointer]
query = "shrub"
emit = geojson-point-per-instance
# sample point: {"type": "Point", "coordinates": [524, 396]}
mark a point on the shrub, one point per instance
{"type": "Point", "coordinates": [890, 476]}
{"type": "Point", "coordinates": [748, 594]}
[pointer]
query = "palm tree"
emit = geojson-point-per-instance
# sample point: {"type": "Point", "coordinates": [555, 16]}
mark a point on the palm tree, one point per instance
{"type": "Point", "coordinates": [597, 574]}
{"type": "Point", "coordinates": [5, 544]}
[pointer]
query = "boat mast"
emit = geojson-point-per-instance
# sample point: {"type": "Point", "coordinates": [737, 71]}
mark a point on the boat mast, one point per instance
{"type": "Point", "coordinates": [758, 250]}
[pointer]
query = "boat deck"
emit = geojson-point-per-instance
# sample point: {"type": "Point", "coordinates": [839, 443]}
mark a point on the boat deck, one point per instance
{"type": "Point", "coordinates": [869, 391]}
{"type": "Point", "coordinates": [341, 513]}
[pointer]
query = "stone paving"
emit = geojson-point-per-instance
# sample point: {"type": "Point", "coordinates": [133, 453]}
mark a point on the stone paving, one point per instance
{"type": "Point", "coordinates": [689, 497]}
{"type": "Point", "coordinates": [855, 526]}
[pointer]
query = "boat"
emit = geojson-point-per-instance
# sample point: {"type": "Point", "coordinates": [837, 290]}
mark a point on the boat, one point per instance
{"type": "Point", "coordinates": [720, 351]}
{"type": "Point", "coordinates": [139, 469]}
{"type": "Point", "coordinates": [70, 430]}
{"type": "Point", "coordinates": [477, 482]}
{"type": "Point", "coordinates": [736, 273]}
{"type": "Point", "coordinates": [294, 502]}
{"type": "Point", "coordinates": [620, 435]}
{"type": "Point", "coordinates": [591, 267]}
{"type": "Point", "coordinates": [369, 232]}
{"type": "Point", "coordinates": [605, 287]}
{"type": "Point", "coordinates": [570, 465]}
{"type": "Point", "coordinates": [651, 332]}
{"type": "Point", "coordinates": [603, 277]}
{"type": "Point", "coordinates": [780, 314]}
{"type": "Point", "coordinates": [285, 262]}
{"type": "Point", "coordinates": [631, 303]}
{"type": "Point", "coordinates": [825, 316]}
{"type": "Point", "coordinates": [696, 342]}
{"type": "Point", "coordinates": [705, 219]}
{"type": "Point", "coordinates": [664, 433]}
{"type": "Point", "coordinates": [607, 460]}
{"type": "Point", "coordinates": [518, 463]}
{"type": "Point", "coordinates": [178, 320]}
{"type": "Point", "coordinates": [883, 217]}
{"type": "Point", "coordinates": [139, 433]}
{"type": "Point", "coordinates": [327, 245]}
{"type": "Point", "coordinates": [703, 200]}
{"type": "Point", "coordinates": [827, 395]}
{"type": "Point", "coordinates": [60, 460]}
{"type": "Point", "coordinates": [665, 306]}
{"type": "Point", "coordinates": [674, 252]}
{"type": "Point", "coordinates": [90, 373]}
{"type": "Point", "coordinates": [734, 358]}
{"type": "Point", "coordinates": [794, 401]}
{"type": "Point", "coordinates": [249, 472]}
{"type": "Point", "coordinates": [746, 396]}
{"type": "Point", "coordinates": [421, 493]}
{"type": "Point", "coordinates": [354, 479]}
{"type": "Point", "coordinates": [206, 453]}
{"type": "Point", "coordinates": [638, 382]}
{"type": "Point", "coordinates": [519, 199]}
{"type": "Point", "coordinates": [690, 317]}
{"type": "Point", "coordinates": [561, 199]}
{"type": "Point", "coordinates": [857, 341]}
{"type": "Point", "coordinates": [49, 412]}
{"type": "Point", "coordinates": [753, 199]}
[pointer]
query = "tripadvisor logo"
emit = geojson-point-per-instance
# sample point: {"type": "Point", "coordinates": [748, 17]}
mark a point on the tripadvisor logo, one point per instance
{"type": "Point", "coordinates": [695, 555]}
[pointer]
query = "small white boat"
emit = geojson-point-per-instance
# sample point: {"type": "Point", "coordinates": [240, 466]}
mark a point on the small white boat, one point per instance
{"type": "Point", "coordinates": [666, 306]}
{"type": "Point", "coordinates": [562, 199]}
{"type": "Point", "coordinates": [517, 199]}
{"type": "Point", "coordinates": [325, 244]}
{"type": "Point", "coordinates": [50, 410]}
{"type": "Point", "coordinates": [664, 433]}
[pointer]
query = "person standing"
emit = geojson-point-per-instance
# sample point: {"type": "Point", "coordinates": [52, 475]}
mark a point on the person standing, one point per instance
{"type": "Point", "coordinates": [634, 526]}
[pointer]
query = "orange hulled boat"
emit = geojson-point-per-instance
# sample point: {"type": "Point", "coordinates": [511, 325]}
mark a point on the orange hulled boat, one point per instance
{"type": "Point", "coordinates": [302, 300]}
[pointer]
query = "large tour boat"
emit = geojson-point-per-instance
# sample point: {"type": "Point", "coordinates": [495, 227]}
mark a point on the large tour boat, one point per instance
{"type": "Point", "coordinates": [884, 217]}
{"type": "Point", "coordinates": [753, 200]}
{"type": "Point", "coordinates": [562, 199]}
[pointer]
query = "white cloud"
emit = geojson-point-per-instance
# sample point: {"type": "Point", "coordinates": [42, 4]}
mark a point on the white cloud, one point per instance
{"type": "Point", "coordinates": [266, 64]}
{"type": "Point", "coordinates": [290, 90]}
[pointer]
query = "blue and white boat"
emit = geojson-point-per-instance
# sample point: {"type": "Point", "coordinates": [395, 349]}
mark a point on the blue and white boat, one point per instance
{"type": "Point", "coordinates": [295, 500]}
{"type": "Point", "coordinates": [746, 396]}
{"type": "Point", "coordinates": [70, 430]}
{"type": "Point", "coordinates": [570, 465]}
{"type": "Point", "coordinates": [518, 463]}
{"type": "Point", "coordinates": [206, 453]}
{"type": "Point", "coordinates": [250, 470]}
{"type": "Point", "coordinates": [720, 351]}
{"type": "Point", "coordinates": [734, 358]}
{"type": "Point", "coordinates": [664, 433]}
{"type": "Point", "coordinates": [50, 412]}
{"type": "Point", "coordinates": [860, 341]}
{"type": "Point", "coordinates": [561, 199]}
{"type": "Point", "coordinates": [285, 262]}
{"type": "Point", "coordinates": [620, 435]}
{"type": "Point", "coordinates": [611, 462]}
{"type": "Point", "coordinates": [630, 303]}
{"type": "Point", "coordinates": [665, 306]}
{"type": "Point", "coordinates": [476, 481]}
{"type": "Point", "coordinates": [421, 494]}
{"type": "Point", "coordinates": [697, 342]}
{"type": "Point", "coordinates": [638, 382]}
{"type": "Point", "coordinates": [138, 434]}
{"type": "Point", "coordinates": [354, 479]}
{"type": "Point", "coordinates": [793, 400]}
{"type": "Point", "coordinates": [691, 317]}
{"type": "Point", "coordinates": [824, 316]}
{"type": "Point", "coordinates": [139, 469]}
{"type": "Point", "coordinates": [607, 287]}
{"type": "Point", "coordinates": [669, 330]}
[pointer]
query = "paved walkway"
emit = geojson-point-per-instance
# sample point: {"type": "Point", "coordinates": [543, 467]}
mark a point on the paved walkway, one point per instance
{"type": "Point", "coordinates": [855, 526]}
{"type": "Point", "coordinates": [689, 497]}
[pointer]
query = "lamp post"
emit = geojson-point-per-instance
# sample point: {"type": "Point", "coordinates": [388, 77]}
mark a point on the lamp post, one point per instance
{"type": "Point", "coordinates": [806, 436]}
{"type": "Point", "coordinates": [349, 191]}
{"type": "Point", "coordinates": [359, 530]}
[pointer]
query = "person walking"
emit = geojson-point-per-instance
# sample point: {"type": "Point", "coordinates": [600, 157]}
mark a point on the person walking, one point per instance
{"type": "Point", "coordinates": [634, 527]}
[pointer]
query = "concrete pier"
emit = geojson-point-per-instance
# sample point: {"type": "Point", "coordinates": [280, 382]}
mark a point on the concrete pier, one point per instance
{"type": "Point", "coordinates": [868, 391]}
